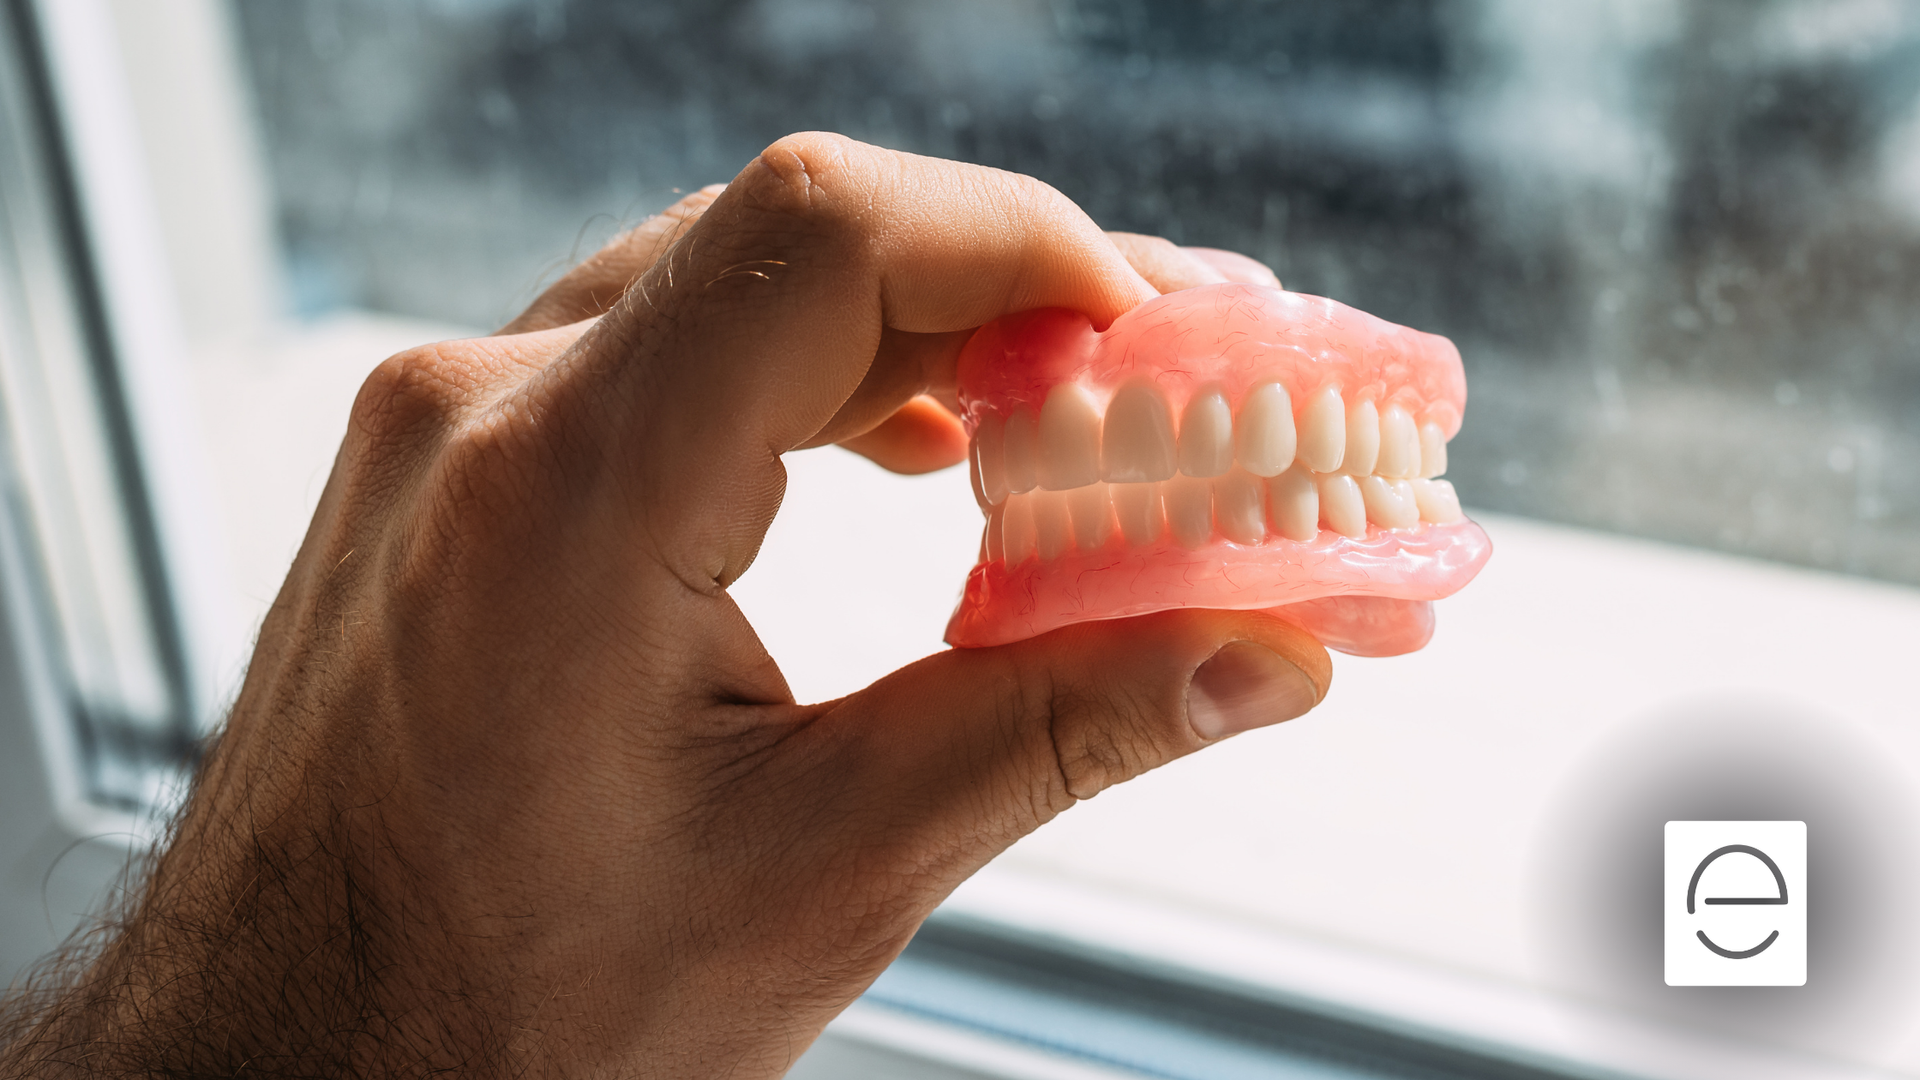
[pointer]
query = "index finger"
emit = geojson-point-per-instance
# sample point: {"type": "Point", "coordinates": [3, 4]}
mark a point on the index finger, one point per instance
{"type": "Point", "coordinates": [760, 324]}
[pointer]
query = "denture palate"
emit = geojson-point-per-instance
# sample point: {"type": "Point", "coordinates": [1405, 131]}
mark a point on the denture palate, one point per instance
{"type": "Point", "coordinates": [1076, 473]}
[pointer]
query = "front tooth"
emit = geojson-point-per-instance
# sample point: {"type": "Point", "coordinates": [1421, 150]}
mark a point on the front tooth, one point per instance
{"type": "Point", "coordinates": [990, 457]}
{"type": "Point", "coordinates": [1264, 437]}
{"type": "Point", "coordinates": [1016, 529]}
{"type": "Point", "coordinates": [1293, 505]}
{"type": "Point", "coordinates": [1189, 510]}
{"type": "Point", "coordinates": [1238, 507]}
{"type": "Point", "coordinates": [1323, 431]}
{"type": "Point", "coordinates": [1019, 451]}
{"type": "Point", "coordinates": [1092, 516]}
{"type": "Point", "coordinates": [1363, 439]}
{"type": "Point", "coordinates": [1206, 435]}
{"type": "Point", "coordinates": [1437, 500]}
{"type": "Point", "coordinates": [1137, 443]}
{"type": "Point", "coordinates": [1142, 516]}
{"type": "Point", "coordinates": [1342, 507]}
{"type": "Point", "coordinates": [1052, 530]}
{"type": "Point", "coordinates": [1399, 445]}
{"type": "Point", "coordinates": [996, 534]}
{"type": "Point", "coordinates": [1433, 450]}
{"type": "Point", "coordinates": [1069, 439]}
{"type": "Point", "coordinates": [1390, 503]}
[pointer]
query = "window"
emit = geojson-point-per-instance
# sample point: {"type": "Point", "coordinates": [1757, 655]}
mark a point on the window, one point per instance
{"type": "Point", "coordinates": [83, 532]}
{"type": "Point", "coordinates": [1674, 239]}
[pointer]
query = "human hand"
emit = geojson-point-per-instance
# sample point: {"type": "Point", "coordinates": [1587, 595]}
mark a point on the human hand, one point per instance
{"type": "Point", "coordinates": [513, 787]}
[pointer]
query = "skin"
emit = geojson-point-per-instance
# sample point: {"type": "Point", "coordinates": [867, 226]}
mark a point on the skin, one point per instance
{"type": "Point", "coordinates": [512, 786]}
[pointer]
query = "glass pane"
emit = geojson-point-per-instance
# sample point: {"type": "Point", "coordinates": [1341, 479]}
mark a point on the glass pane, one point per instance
{"type": "Point", "coordinates": [1672, 240]}
{"type": "Point", "coordinates": [72, 495]}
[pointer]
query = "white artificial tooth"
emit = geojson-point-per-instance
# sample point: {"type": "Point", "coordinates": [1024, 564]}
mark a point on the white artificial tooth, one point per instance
{"type": "Point", "coordinates": [1140, 512]}
{"type": "Point", "coordinates": [1323, 431]}
{"type": "Point", "coordinates": [1293, 505]}
{"type": "Point", "coordinates": [1390, 503]}
{"type": "Point", "coordinates": [1239, 507]}
{"type": "Point", "coordinates": [1136, 443]}
{"type": "Point", "coordinates": [1092, 516]}
{"type": "Point", "coordinates": [1433, 450]}
{"type": "Point", "coordinates": [1363, 439]}
{"type": "Point", "coordinates": [1069, 439]}
{"type": "Point", "coordinates": [1206, 435]}
{"type": "Point", "coordinates": [1189, 502]}
{"type": "Point", "coordinates": [1019, 451]}
{"type": "Point", "coordinates": [1437, 500]}
{"type": "Point", "coordinates": [1016, 529]}
{"type": "Point", "coordinates": [1399, 445]}
{"type": "Point", "coordinates": [1342, 507]}
{"type": "Point", "coordinates": [1263, 437]}
{"type": "Point", "coordinates": [1052, 528]}
{"type": "Point", "coordinates": [990, 456]}
{"type": "Point", "coordinates": [996, 534]}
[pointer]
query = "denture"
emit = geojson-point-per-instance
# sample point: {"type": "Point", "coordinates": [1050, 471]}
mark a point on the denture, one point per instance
{"type": "Point", "coordinates": [1228, 446]}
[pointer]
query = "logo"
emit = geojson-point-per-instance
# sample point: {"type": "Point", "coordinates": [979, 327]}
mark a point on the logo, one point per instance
{"type": "Point", "coordinates": [1736, 903]}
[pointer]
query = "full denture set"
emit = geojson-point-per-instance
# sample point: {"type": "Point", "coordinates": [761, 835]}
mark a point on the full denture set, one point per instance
{"type": "Point", "coordinates": [1229, 446]}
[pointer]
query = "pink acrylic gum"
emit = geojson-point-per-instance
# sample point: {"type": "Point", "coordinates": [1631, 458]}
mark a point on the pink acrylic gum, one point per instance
{"type": "Point", "coordinates": [1229, 446]}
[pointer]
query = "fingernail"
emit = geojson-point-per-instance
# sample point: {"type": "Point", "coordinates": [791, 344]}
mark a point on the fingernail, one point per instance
{"type": "Point", "coordinates": [1245, 686]}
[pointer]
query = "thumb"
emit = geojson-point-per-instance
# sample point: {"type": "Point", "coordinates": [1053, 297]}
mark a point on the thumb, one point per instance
{"type": "Point", "coordinates": [973, 748]}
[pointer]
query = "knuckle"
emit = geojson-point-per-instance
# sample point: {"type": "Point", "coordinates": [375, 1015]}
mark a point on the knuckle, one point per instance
{"type": "Point", "coordinates": [795, 174]}
{"type": "Point", "coordinates": [1100, 742]}
{"type": "Point", "coordinates": [410, 394]}
{"type": "Point", "coordinates": [1100, 736]}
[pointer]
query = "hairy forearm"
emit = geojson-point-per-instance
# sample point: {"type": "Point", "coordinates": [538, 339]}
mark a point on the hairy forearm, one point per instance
{"type": "Point", "coordinates": [258, 948]}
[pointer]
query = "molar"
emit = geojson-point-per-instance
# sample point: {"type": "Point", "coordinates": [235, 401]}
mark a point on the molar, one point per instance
{"type": "Point", "coordinates": [1238, 507]}
{"type": "Point", "coordinates": [1264, 437]}
{"type": "Point", "coordinates": [1092, 516]}
{"type": "Point", "coordinates": [1437, 500]}
{"type": "Point", "coordinates": [1189, 509]}
{"type": "Point", "coordinates": [1399, 445]}
{"type": "Point", "coordinates": [1433, 450]}
{"type": "Point", "coordinates": [1206, 435]}
{"type": "Point", "coordinates": [1019, 451]}
{"type": "Point", "coordinates": [1293, 505]}
{"type": "Point", "coordinates": [1323, 431]}
{"type": "Point", "coordinates": [1390, 503]}
{"type": "Point", "coordinates": [1016, 529]}
{"type": "Point", "coordinates": [990, 457]}
{"type": "Point", "coordinates": [1363, 439]}
{"type": "Point", "coordinates": [1052, 530]}
{"type": "Point", "coordinates": [1137, 443]}
{"type": "Point", "coordinates": [1342, 507]}
{"type": "Point", "coordinates": [1069, 439]}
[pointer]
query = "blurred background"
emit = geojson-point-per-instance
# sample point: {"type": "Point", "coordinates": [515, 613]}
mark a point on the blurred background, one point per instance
{"type": "Point", "coordinates": [1676, 241]}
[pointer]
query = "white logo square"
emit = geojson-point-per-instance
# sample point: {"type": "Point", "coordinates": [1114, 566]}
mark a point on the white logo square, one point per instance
{"type": "Point", "coordinates": [1736, 903]}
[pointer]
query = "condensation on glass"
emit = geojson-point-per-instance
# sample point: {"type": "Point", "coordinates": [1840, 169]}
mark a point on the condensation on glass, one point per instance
{"type": "Point", "coordinates": [81, 557]}
{"type": "Point", "coordinates": [1676, 241]}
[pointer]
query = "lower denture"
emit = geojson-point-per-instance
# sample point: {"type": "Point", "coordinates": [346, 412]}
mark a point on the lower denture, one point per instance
{"type": "Point", "coordinates": [1229, 446]}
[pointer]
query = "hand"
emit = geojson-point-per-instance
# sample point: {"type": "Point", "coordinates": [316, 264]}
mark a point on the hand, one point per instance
{"type": "Point", "coordinates": [512, 786]}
